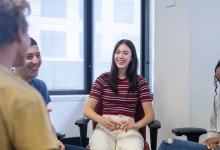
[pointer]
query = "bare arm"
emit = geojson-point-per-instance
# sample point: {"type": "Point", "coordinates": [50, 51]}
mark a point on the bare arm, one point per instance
{"type": "Point", "coordinates": [89, 110]}
{"type": "Point", "coordinates": [149, 114]}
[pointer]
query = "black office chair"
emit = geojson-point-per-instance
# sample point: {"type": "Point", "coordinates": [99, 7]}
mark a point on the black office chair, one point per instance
{"type": "Point", "coordinates": [60, 136]}
{"type": "Point", "coordinates": [82, 123]}
{"type": "Point", "coordinates": [191, 133]}
{"type": "Point", "coordinates": [153, 126]}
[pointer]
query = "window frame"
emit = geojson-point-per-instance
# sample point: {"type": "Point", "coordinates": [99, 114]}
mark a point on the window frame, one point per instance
{"type": "Point", "coordinates": [88, 47]}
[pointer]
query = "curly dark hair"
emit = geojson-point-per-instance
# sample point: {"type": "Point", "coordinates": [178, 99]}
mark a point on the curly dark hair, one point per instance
{"type": "Point", "coordinates": [12, 18]}
{"type": "Point", "coordinates": [216, 84]}
{"type": "Point", "coordinates": [215, 79]}
{"type": "Point", "coordinates": [131, 71]}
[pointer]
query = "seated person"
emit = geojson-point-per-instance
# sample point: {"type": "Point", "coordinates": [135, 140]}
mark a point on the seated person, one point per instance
{"type": "Point", "coordinates": [24, 122]}
{"type": "Point", "coordinates": [119, 91]}
{"type": "Point", "coordinates": [29, 72]}
{"type": "Point", "coordinates": [213, 140]}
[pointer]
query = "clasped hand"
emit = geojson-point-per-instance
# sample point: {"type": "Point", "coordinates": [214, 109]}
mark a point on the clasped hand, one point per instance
{"type": "Point", "coordinates": [112, 125]}
{"type": "Point", "coordinates": [212, 143]}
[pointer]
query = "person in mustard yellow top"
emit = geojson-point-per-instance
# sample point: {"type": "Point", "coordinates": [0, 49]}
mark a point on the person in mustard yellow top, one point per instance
{"type": "Point", "coordinates": [24, 120]}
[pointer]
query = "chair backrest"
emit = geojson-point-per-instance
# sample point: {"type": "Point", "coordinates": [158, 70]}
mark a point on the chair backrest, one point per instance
{"type": "Point", "coordinates": [139, 114]}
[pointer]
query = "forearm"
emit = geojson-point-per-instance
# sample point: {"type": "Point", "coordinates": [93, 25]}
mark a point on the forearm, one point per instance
{"type": "Point", "coordinates": [148, 115]}
{"type": "Point", "coordinates": [148, 118]}
{"type": "Point", "coordinates": [91, 114]}
{"type": "Point", "coordinates": [89, 111]}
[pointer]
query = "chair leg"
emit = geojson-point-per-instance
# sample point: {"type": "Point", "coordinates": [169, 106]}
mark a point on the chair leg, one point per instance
{"type": "Point", "coordinates": [194, 138]}
{"type": "Point", "coordinates": [153, 138]}
{"type": "Point", "coordinates": [83, 135]}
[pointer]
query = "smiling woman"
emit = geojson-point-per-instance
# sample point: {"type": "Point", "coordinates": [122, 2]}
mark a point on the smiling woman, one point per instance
{"type": "Point", "coordinates": [122, 59]}
{"type": "Point", "coordinates": [119, 91]}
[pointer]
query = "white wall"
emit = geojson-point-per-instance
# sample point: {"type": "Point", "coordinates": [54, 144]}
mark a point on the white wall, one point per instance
{"type": "Point", "coordinates": [171, 89]}
{"type": "Point", "coordinates": [187, 49]}
{"type": "Point", "coordinates": [65, 111]}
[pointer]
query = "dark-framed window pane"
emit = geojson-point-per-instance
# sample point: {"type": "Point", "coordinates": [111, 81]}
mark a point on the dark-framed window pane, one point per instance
{"type": "Point", "coordinates": [59, 35]}
{"type": "Point", "coordinates": [116, 24]}
{"type": "Point", "coordinates": [53, 8]}
{"type": "Point", "coordinates": [72, 57]}
{"type": "Point", "coordinates": [48, 48]}
{"type": "Point", "coordinates": [124, 11]}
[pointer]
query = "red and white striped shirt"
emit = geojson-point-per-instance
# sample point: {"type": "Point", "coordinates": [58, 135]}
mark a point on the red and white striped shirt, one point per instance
{"type": "Point", "coordinates": [122, 103]}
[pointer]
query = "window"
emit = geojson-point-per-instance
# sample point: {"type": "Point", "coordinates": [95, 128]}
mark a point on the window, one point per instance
{"type": "Point", "coordinates": [53, 8]}
{"type": "Point", "coordinates": [57, 27]}
{"type": "Point", "coordinates": [151, 46]}
{"type": "Point", "coordinates": [77, 37]}
{"type": "Point", "coordinates": [48, 48]}
{"type": "Point", "coordinates": [120, 19]}
{"type": "Point", "coordinates": [125, 11]}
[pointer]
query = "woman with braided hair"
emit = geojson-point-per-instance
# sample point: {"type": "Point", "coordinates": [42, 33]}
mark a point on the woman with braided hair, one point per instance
{"type": "Point", "coordinates": [213, 140]}
{"type": "Point", "coordinates": [214, 134]}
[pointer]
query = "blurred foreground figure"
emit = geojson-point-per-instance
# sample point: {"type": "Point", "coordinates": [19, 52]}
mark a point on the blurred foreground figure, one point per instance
{"type": "Point", "coordinates": [24, 121]}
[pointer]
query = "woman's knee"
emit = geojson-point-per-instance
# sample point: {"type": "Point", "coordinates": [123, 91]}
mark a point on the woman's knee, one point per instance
{"type": "Point", "coordinates": [101, 140]}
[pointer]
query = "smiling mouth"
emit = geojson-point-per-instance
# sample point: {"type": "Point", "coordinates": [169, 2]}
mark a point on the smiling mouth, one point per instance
{"type": "Point", "coordinates": [121, 61]}
{"type": "Point", "coordinates": [33, 68]}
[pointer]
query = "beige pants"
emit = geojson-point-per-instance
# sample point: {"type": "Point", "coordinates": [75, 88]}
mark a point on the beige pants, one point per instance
{"type": "Point", "coordinates": [103, 139]}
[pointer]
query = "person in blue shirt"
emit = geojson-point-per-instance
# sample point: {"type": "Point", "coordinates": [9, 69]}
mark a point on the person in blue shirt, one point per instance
{"type": "Point", "coordinates": [42, 88]}
{"type": "Point", "coordinates": [29, 72]}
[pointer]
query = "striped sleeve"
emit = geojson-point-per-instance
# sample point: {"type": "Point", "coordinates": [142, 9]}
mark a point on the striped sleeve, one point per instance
{"type": "Point", "coordinates": [143, 90]}
{"type": "Point", "coordinates": [97, 88]}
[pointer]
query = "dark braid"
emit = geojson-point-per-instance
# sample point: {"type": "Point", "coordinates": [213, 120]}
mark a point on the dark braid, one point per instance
{"type": "Point", "coordinates": [216, 85]}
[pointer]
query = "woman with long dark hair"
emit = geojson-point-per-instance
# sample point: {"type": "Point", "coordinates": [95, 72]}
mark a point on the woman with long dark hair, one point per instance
{"type": "Point", "coordinates": [119, 91]}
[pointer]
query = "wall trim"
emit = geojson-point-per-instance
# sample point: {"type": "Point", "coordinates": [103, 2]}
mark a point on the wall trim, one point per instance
{"type": "Point", "coordinates": [62, 98]}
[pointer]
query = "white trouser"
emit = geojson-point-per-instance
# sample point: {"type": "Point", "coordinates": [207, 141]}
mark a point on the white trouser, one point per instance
{"type": "Point", "coordinates": [103, 139]}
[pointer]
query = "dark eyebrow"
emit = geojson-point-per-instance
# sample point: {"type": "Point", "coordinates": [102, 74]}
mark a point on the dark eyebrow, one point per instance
{"type": "Point", "coordinates": [29, 54]}
{"type": "Point", "coordinates": [33, 53]}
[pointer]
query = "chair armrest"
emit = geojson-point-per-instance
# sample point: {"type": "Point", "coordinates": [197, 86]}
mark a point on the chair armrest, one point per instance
{"type": "Point", "coordinates": [82, 123]}
{"type": "Point", "coordinates": [60, 136]}
{"type": "Point", "coordinates": [154, 126]}
{"type": "Point", "coordinates": [191, 133]}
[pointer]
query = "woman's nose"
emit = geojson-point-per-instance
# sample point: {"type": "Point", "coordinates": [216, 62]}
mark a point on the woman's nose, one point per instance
{"type": "Point", "coordinates": [121, 55]}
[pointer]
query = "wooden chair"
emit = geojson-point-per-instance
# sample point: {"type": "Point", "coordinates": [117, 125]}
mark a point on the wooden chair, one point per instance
{"type": "Point", "coordinates": [82, 123]}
